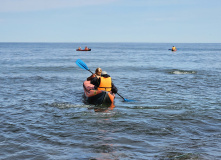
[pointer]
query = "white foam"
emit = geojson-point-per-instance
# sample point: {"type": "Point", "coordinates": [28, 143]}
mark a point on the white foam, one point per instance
{"type": "Point", "coordinates": [183, 72]}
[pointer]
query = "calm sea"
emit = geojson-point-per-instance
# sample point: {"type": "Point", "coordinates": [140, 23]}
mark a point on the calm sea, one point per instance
{"type": "Point", "coordinates": [176, 115]}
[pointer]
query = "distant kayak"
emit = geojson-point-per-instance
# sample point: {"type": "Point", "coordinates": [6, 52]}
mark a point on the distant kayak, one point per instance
{"type": "Point", "coordinates": [173, 50]}
{"type": "Point", "coordinates": [83, 49]}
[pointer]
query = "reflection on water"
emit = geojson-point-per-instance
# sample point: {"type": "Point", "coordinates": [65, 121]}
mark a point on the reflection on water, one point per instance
{"type": "Point", "coordinates": [104, 107]}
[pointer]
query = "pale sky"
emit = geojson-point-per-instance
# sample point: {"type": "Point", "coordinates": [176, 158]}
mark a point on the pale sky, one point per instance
{"type": "Point", "coordinates": [163, 21]}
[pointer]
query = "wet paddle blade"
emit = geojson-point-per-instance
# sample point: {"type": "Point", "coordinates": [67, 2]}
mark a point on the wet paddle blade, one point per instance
{"type": "Point", "coordinates": [128, 100]}
{"type": "Point", "coordinates": [81, 64]}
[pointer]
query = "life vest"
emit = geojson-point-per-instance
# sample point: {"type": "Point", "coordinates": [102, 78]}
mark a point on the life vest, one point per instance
{"type": "Point", "coordinates": [173, 48]}
{"type": "Point", "coordinates": [105, 84]}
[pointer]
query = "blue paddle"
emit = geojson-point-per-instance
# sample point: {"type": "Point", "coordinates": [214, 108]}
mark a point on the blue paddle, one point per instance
{"type": "Point", "coordinates": [126, 100]}
{"type": "Point", "coordinates": [83, 65]}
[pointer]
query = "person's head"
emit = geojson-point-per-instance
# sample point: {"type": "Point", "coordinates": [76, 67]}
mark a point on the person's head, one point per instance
{"type": "Point", "coordinates": [103, 73]}
{"type": "Point", "coordinates": [98, 71]}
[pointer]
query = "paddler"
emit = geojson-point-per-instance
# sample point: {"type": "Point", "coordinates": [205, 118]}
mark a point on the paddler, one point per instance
{"type": "Point", "coordinates": [96, 74]}
{"type": "Point", "coordinates": [173, 48]}
{"type": "Point", "coordinates": [104, 83]}
{"type": "Point", "coordinates": [86, 49]}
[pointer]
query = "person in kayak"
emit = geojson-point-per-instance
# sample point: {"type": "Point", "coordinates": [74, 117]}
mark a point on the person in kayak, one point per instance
{"type": "Point", "coordinates": [173, 48]}
{"type": "Point", "coordinates": [86, 48]}
{"type": "Point", "coordinates": [104, 83]}
{"type": "Point", "coordinates": [79, 48]}
{"type": "Point", "coordinates": [96, 74]}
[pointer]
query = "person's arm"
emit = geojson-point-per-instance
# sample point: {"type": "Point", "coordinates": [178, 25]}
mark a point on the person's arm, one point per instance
{"type": "Point", "coordinates": [114, 88]}
{"type": "Point", "coordinates": [92, 76]}
{"type": "Point", "coordinates": [96, 82]}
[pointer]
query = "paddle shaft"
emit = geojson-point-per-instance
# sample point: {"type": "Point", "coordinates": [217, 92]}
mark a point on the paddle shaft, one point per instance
{"type": "Point", "coordinates": [121, 96]}
{"type": "Point", "coordinates": [90, 71]}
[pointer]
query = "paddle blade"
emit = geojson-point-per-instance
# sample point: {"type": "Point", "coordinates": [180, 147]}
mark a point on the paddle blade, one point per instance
{"type": "Point", "coordinates": [128, 100]}
{"type": "Point", "coordinates": [81, 64]}
{"type": "Point", "coordinates": [125, 100]}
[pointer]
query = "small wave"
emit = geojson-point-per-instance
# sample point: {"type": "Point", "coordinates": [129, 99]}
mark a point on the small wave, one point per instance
{"type": "Point", "coordinates": [67, 105]}
{"type": "Point", "coordinates": [179, 155]}
{"type": "Point", "coordinates": [182, 72]}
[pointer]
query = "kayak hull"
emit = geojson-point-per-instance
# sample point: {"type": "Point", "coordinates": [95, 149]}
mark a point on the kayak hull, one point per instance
{"type": "Point", "coordinates": [172, 50]}
{"type": "Point", "coordinates": [97, 97]}
{"type": "Point", "coordinates": [83, 50]}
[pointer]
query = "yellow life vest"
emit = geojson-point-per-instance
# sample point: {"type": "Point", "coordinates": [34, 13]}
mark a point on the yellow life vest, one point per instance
{"type": "Point", "coordinates": [105, 84]}
{"type": "Point", "coordinates": [173, 48]}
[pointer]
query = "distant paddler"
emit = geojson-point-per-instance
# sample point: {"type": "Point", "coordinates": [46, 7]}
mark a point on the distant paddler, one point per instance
{"type": "Point", "coordinates": [174, 48]}
{"type": "Point", "coordinates": [86, 48]}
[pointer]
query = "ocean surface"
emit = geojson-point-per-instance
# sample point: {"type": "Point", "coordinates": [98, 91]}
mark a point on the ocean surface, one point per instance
{"type": "Point", "coordinates": [176, 114]}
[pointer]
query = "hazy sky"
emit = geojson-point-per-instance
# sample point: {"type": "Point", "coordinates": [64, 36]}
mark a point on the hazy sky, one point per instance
{"type": "Point", "coordinates": [176, 21]}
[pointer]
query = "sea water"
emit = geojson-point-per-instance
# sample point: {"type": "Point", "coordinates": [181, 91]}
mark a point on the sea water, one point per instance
{"type": "Point", "coordinates": [176, 115]}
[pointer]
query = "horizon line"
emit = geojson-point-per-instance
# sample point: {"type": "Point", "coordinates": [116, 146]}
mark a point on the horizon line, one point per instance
{"type": "Point", "coordinates": [111, 42]}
